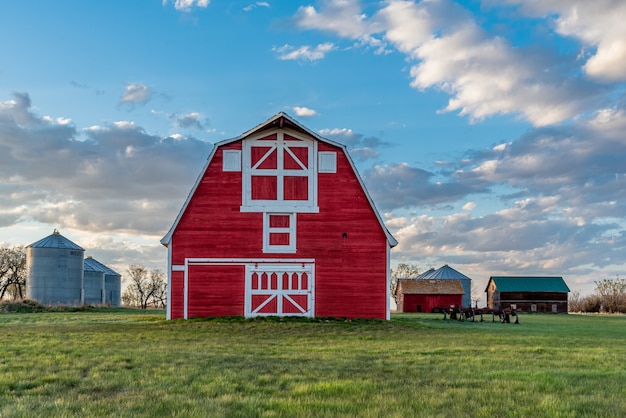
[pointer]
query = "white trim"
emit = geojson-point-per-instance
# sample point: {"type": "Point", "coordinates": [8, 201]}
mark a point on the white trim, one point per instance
{"type": "Point", "coordinates": [280, 146]}
{"type": "Point", "coordinates": [388, 273]}
{"type": "Point", "coordinates": [168, 312]}
{"type": "Point", "coordinates": [178, 268]}
{"type": "Point", "coordinates": [186, 291]}
{"type": "Point", "coordinates": [267, 230]}
{"type": "Point", "coordinates": [279, 294]}
{"type": "Point", "coordinates": [240, 261]}
{"type": "Point", "coordinates": [231, 160]}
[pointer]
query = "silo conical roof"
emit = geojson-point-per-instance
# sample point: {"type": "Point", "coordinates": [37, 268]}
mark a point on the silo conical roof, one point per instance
{"type": "Point", "coordinates": [98, 266]}
{"type": "Point", "coordinates": [425, 274]}
{"type": "Point", "coordinates": [56, 240]}
{"type": "Point", "coordinates": [445, 272]}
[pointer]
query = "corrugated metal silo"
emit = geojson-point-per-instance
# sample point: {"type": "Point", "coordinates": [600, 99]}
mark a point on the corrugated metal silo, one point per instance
{"type": "Point", "coordinates": [112, 284]}
{"type": "Point", "coordinates": [93, 282]}
{"type": "Point", "coordinates": [54, 267]}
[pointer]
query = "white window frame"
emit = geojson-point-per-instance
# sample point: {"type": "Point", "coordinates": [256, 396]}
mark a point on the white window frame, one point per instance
{"type": "Point", "coordinates": [291, 230]}
{"type": "Point", "coordinates": [280, 204]}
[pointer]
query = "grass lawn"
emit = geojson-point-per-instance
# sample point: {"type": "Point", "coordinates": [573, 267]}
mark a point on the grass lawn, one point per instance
{"type": "Point", "coordinates": [131, 363]}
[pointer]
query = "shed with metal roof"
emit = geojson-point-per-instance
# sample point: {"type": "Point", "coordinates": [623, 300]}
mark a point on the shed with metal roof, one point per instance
{"type": "Point", "coordinates": [528, 293]}
{"type": "Point", "coordinates": [424, 295]}
{"type": "Point", "coordinates": [446, 272]}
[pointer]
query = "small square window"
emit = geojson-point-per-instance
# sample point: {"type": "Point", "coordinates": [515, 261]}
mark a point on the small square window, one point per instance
{"type": "Point", "coordinates": [327, 162]}
{"type": "Point", "coordinates": [231, 160]}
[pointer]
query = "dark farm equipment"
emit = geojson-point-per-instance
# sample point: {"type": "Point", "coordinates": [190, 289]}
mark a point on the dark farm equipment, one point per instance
{"type": "Point", "coordinates": [470, 314]}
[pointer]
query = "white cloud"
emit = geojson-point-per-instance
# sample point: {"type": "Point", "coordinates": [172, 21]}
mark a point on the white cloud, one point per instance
{"type": "Point", "coordinates": [191, 120]}
{"type": "Point", "coordinates": [136, 93]}
{"type": "Point", "coordinates": [187, 5]}
{"type": "Point", "coordinates": [93, 185]}
{"type": "Point", "coordinates": [484, 75]}
{"type": "Point", "coordinates": [304, 112]}
{"type": "Point", "coordinates": [252, 6]}
{"type": "Point", "coordinates": [598, 24]}
{"type": "Point", "coordinates": [469, 206]}
{"type": "Point", "coordinates": [304, 53]}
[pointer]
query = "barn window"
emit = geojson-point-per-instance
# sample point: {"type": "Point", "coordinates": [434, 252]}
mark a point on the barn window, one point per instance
{"type": "Point", "coordinates": [327, 162]}
{"type": "Point", "coordinates": [279, 232]}
{"type": "Point", "coordinates": [279, 174]}
{"type": "Point", "coordinates": [231, 160]}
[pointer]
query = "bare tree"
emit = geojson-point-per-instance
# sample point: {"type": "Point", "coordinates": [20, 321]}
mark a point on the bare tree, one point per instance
{"type": "Point", "coordinates": [612, 294]}
{"type": "Point", "coordinates": [403, 271]}
{"type": "Point", "coordinates": [12, 272]}
{"type": "Point", "coordinates": [146, 288]}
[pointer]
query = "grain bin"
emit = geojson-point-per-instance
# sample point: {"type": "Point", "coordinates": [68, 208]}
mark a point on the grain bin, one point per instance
{"type": "Point", "coordinates": [54, 271]}
{"type": "Point", "coordinates": [112, 283]}
{"type": "Point", "coordinates": [93, 282]}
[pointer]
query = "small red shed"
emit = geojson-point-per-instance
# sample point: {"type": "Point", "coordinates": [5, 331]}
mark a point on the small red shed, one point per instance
{"type": "Point", "coordinates": [422, 295]}
{"type": "Point", "coordinates": [278, 223]}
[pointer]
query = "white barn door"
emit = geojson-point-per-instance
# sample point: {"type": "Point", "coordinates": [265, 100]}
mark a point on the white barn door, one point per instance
{"type": "Point", "coordinates": [279, 290]}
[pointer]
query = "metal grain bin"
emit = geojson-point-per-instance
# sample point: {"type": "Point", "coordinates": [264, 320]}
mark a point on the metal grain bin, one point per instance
{"type": "Point", "coordinates": [54, 269]}
{"type": "Point", "coordinates": [93, 282]}
{"type": "Point", "coordinates": [112, 283]}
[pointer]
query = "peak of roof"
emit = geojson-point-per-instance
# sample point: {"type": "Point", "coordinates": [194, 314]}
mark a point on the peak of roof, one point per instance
{"type": "Point", "coordinates": [445, 272]}
{"type": "Point", "coordinates": [56, 240]}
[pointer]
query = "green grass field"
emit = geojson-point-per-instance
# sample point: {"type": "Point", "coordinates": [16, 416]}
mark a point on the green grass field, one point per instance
{"type": "Point", "coordinates": [132, 363]}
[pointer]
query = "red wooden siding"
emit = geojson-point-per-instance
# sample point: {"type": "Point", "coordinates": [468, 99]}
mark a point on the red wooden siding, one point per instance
{"type": "Point", "coordinates": [176, 294]}
{"type": "Point", "coordinates": [426, 303]}
{"type": "Point", "coordinates": [216, 290]}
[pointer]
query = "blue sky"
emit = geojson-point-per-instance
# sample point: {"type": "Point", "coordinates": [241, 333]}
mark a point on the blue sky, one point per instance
{"type": "Point", "coordinates": [490, 134]}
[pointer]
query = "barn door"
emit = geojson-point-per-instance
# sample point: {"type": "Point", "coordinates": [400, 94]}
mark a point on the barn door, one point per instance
{"type": "Point", "coordinates": [279, 290]}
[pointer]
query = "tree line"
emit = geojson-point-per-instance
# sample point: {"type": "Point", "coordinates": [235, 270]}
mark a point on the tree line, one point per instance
{"type": "Point", "coordinates": [146, 288]}
{"type": "Point", "coordinates": [610, 297]}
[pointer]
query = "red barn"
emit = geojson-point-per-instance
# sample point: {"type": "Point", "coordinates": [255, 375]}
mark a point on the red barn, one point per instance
{"type": "Point", "coordinates": [278, 223]}
{"type": "Point", "coordinates": [422, 295]}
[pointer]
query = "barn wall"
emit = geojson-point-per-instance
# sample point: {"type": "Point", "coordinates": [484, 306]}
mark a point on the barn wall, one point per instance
{"type": "Point", "coordinates": [426, 303]}
{"type": "Point", "coordinates": [350, 273]}
{"type": "Point", "coordinates": [176, 295]}
{"type": "Point", "coordinates": [543, 301]}
{"type": "Point", "coordinates": [216, 291]}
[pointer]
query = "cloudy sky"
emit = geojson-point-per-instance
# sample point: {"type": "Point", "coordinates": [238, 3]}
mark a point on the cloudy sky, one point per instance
{"type": "Point", "coordinates": [491, 134]}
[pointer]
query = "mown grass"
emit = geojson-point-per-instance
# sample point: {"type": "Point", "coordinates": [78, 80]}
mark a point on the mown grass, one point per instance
{"type": "Point", "coordinates": [131, 363]}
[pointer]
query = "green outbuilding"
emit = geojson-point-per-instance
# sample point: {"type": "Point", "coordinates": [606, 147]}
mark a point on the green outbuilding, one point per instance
{"type": "Point", "coordinates": [528, 293]}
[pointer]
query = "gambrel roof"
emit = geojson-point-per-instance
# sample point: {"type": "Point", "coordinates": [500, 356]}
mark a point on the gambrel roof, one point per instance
{"type": "Point", "coordinates": [528, 284]}
{"type": "Point", "coordinates": [431, 287]}
{"type": "Point", "coordinates": [280, 120]}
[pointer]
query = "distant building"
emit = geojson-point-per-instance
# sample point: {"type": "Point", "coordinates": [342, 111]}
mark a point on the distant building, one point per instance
{"type": "Point", "coordinates": [527, 294]}
{"type": "Point", "coordinates": [423, 295]}
{"type": "Point", "coordinates": [446, 272]}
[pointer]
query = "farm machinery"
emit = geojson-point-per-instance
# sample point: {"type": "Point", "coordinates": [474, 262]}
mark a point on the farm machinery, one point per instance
{"type": "Point", "coordinates": [461, 314]}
